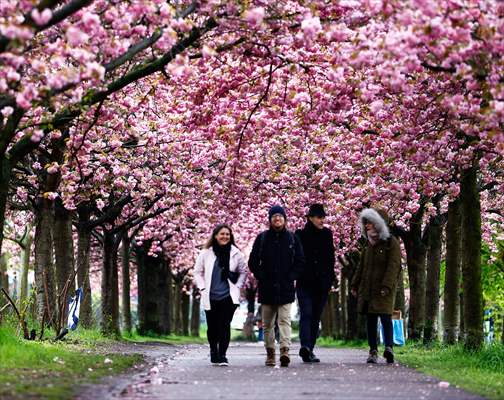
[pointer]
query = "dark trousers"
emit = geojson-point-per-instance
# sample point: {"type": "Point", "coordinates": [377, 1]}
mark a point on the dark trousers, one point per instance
{"type": "Point", "coordinates": [311, 304]}
{"type": "Point", "coordinates": [219, 324]}
{"type": "Point", "coordinates": [372, 330]}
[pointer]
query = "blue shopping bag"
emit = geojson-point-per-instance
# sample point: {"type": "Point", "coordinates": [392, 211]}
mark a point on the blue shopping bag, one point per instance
{"type": "Point", "coordinates": [398, 327]}
{"type": "Point", "coordinates": [398, 332]}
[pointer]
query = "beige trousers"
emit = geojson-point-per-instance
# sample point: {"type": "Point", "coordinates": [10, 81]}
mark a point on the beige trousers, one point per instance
{"type": "Point", "coordinates": [269, 313]}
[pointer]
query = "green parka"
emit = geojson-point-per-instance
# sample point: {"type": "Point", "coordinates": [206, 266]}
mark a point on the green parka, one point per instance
{"type": "Point", "coordinates": [378, 269]}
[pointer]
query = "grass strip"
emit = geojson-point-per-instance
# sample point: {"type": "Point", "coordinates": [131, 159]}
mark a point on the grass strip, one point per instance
{"type": "Point", "coordinates": [52, 370]}
{"type": "Point", "coordinates": [477, 372]}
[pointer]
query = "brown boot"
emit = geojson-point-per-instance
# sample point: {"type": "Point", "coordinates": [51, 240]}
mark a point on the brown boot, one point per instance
{"type": "Point", "coordinates": [284, 357]}
{"type": "Point", "coordinates": [270, 357]}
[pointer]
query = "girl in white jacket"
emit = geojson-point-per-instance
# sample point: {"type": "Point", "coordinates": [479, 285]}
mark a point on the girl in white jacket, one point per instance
{"type": "Point", "coordinates": [220, 272]}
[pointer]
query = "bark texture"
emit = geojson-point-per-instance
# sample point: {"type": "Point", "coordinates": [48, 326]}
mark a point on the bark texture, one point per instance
{"type": "Point", "coordinates": [45, 280]}
{"type": "Point", "coordinates": [471, 260]}
{"type": "Point", "coordinates": [451, 311]}
{"type": "Point", "coordinates": [432, 287]}
{"type": "Point", "coordinates": [125, 275]}
{"type": "Point", "coordinates": [153, 293]}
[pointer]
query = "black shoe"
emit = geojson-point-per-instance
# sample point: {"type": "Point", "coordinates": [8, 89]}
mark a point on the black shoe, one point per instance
{"type": "Point", "coordinates": [389, 355]}
{"type": "Point", "coordinates": [305, 354]}
{"type": "Point", "coordinates": [373, 357]}
{"type": "Point", "coordinates": [223, 362]}
{"type": "Point", "coordinates": [214, 357]}
{"type": "Point", "coordinates": [314, 358]}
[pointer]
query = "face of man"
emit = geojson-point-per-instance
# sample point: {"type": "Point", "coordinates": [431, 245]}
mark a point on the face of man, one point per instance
{"type": "Point", "coordinates": [223, 236]}
{"type": "Point", "coordinates": [277, 222]}
{"type": "Point", "coordinates": [317, 221]}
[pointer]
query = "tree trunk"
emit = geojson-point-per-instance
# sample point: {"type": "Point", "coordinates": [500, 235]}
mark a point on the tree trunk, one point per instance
{"type": "Point", "coordinates": [415, 255]}
{"type": "Point", "coordinates": [502, 330]}
{"type": "Point", "coordinates": [337, 315]}
{"type": "Point", "coordinates": [153, 288]}
{"type": "Point", "coordinates": [353, 319]}
{"type": "Point", "coordinates": [400, 300]}
{"type": "Point", "coordinates": [248, 325]}
{"type": "Point", "coordinates": [83, 257]}
{"type": "Point", "coordinates": [4, 277]}
{"type": "Point", "coordinates": [63, 252]}
{"type": "Point", "coordinates": [184, 310]}
{"type": "Point", "coordinates": [195, 313]}
{"type": "Point", "coordinates": [5, 175]}
{"type": "Point", "coordinates": [44, 267]}
{"type": "Point", "coordinates": [177, 309]}
{"type": "Point", "coordinates": [328, 316]}
{"type": "Point", "coordinates": [451, 315]}
{"type": "Point", "coordinates": [343, 304]}
{"type": "Point", "coordinates": [432, 289]}
{"type": "Point", "coordinates": [461, 336]}
{"type": "Point", "coordinates": [126, 301]}
{"type": "Point", "coordinates": [471, 260]}
{"type": "Point", "coordinates": [110, 286]}
{"type": "Point", "coordinates": [25, 262]}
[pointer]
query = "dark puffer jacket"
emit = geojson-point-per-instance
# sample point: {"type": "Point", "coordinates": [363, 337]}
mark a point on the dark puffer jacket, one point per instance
{"type": "Point", "coordinates": [318, 248]}
{"type": "Point", "coordinates": [276, 266]}
{"type": "Point", "coordinates": [378, 269]}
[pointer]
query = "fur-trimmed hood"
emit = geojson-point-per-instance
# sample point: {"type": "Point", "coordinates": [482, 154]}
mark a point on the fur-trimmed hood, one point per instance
{"type": "Point", "coordinates": [379, 219]}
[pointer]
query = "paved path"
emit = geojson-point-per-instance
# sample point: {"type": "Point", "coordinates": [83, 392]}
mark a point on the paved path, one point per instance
{"type": "Point", "coordinates": [185, 372]}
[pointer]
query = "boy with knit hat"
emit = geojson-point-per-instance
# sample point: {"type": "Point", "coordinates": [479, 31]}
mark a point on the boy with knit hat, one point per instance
{"type": "Point", "coordinates": [276, 260]}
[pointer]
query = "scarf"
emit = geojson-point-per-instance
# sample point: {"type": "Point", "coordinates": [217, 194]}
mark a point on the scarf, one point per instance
{"type": "Point", "coordinates": [223, 253]}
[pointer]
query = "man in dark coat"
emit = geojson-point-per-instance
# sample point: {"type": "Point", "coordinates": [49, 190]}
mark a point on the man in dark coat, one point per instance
{"type": "Point", "coordinates": [276, 260]}
{"type": "Point", "coordinates": [313, 286]}
{"type": "Point", "coordinates": [375, 281]}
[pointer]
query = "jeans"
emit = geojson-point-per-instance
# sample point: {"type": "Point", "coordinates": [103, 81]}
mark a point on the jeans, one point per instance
{"type": "Point", "coordinates": [269, 314]}
{"type": "Point", "coordinates": [311, 305]}
{"type": "Point", "coordinates": [219, 324]}
{"type": "Point", "coordinates": [372, 330]}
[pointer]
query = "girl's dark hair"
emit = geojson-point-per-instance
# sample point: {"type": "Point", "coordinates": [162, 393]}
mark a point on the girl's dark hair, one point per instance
{"type": "Point", "coordinates": [215, 231]}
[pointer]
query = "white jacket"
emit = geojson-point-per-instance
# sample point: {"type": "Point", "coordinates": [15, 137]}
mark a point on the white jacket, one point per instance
{"type": "Point", "coordinates": [203, 274]}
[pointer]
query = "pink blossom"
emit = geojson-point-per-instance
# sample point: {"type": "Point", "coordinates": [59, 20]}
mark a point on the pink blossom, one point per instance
{"type": "Point", "coordinates": [56, 134]}
{"type": "Point", "coordinates": [7, 111]}
{"type": "Point", "coordinates": [75, 36]}
{"type": "Point", "coordinates": [95, 70]}
{"type": "Point", "coordinates": [22, 101]}
{"type": "Point", "coordinates": [37, 136]}
{"type": "Point", "coordinates": [51, 195]}
{"type": "Point", "coordinates": [13, 76]}
{"type": "Point", "coordinates": [311, 27]}
{"type": "Point", "coordinates": [41, 18]}
{"type": "Point", "coordinates": [53, 168]}
{"type": "Point", "coordinates": [254, 16]}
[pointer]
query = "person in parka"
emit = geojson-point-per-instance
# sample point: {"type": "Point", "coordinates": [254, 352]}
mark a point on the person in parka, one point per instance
{"type": "Point", "coordinates": [312, 288]}
{"type": "Point", "coordinates": [376, 278]}
{"type": "Point", "coordinates": [276, 260]}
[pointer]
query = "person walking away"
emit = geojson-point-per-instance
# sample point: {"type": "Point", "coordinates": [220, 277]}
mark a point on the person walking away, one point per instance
{"type": "Point", "coordinates": [220, 272]}
{"type": "Point", "coordinates": [312, 288]}
{"type": "Point", "coordinates": [375, 281]}
{"type": "Point", "coordinates": [276, 260]}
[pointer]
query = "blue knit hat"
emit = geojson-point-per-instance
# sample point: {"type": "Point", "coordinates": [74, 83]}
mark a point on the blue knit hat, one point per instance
{"type": "Point", "coordinates": [276, 209]}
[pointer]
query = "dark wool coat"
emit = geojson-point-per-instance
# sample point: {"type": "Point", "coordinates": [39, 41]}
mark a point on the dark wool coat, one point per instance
{"type": "Point", "coordinates": [318, 248]}
{"type": "Point", "coordinates": [279, 265]}
{"type": "Point", "coordinates": [378, 269]}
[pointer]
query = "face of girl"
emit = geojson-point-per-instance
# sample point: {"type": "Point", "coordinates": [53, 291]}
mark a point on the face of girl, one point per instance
{"type": "Point", "coordinates": [223, 236]}
{"type": "Point", "coordinates": [369, 225]}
